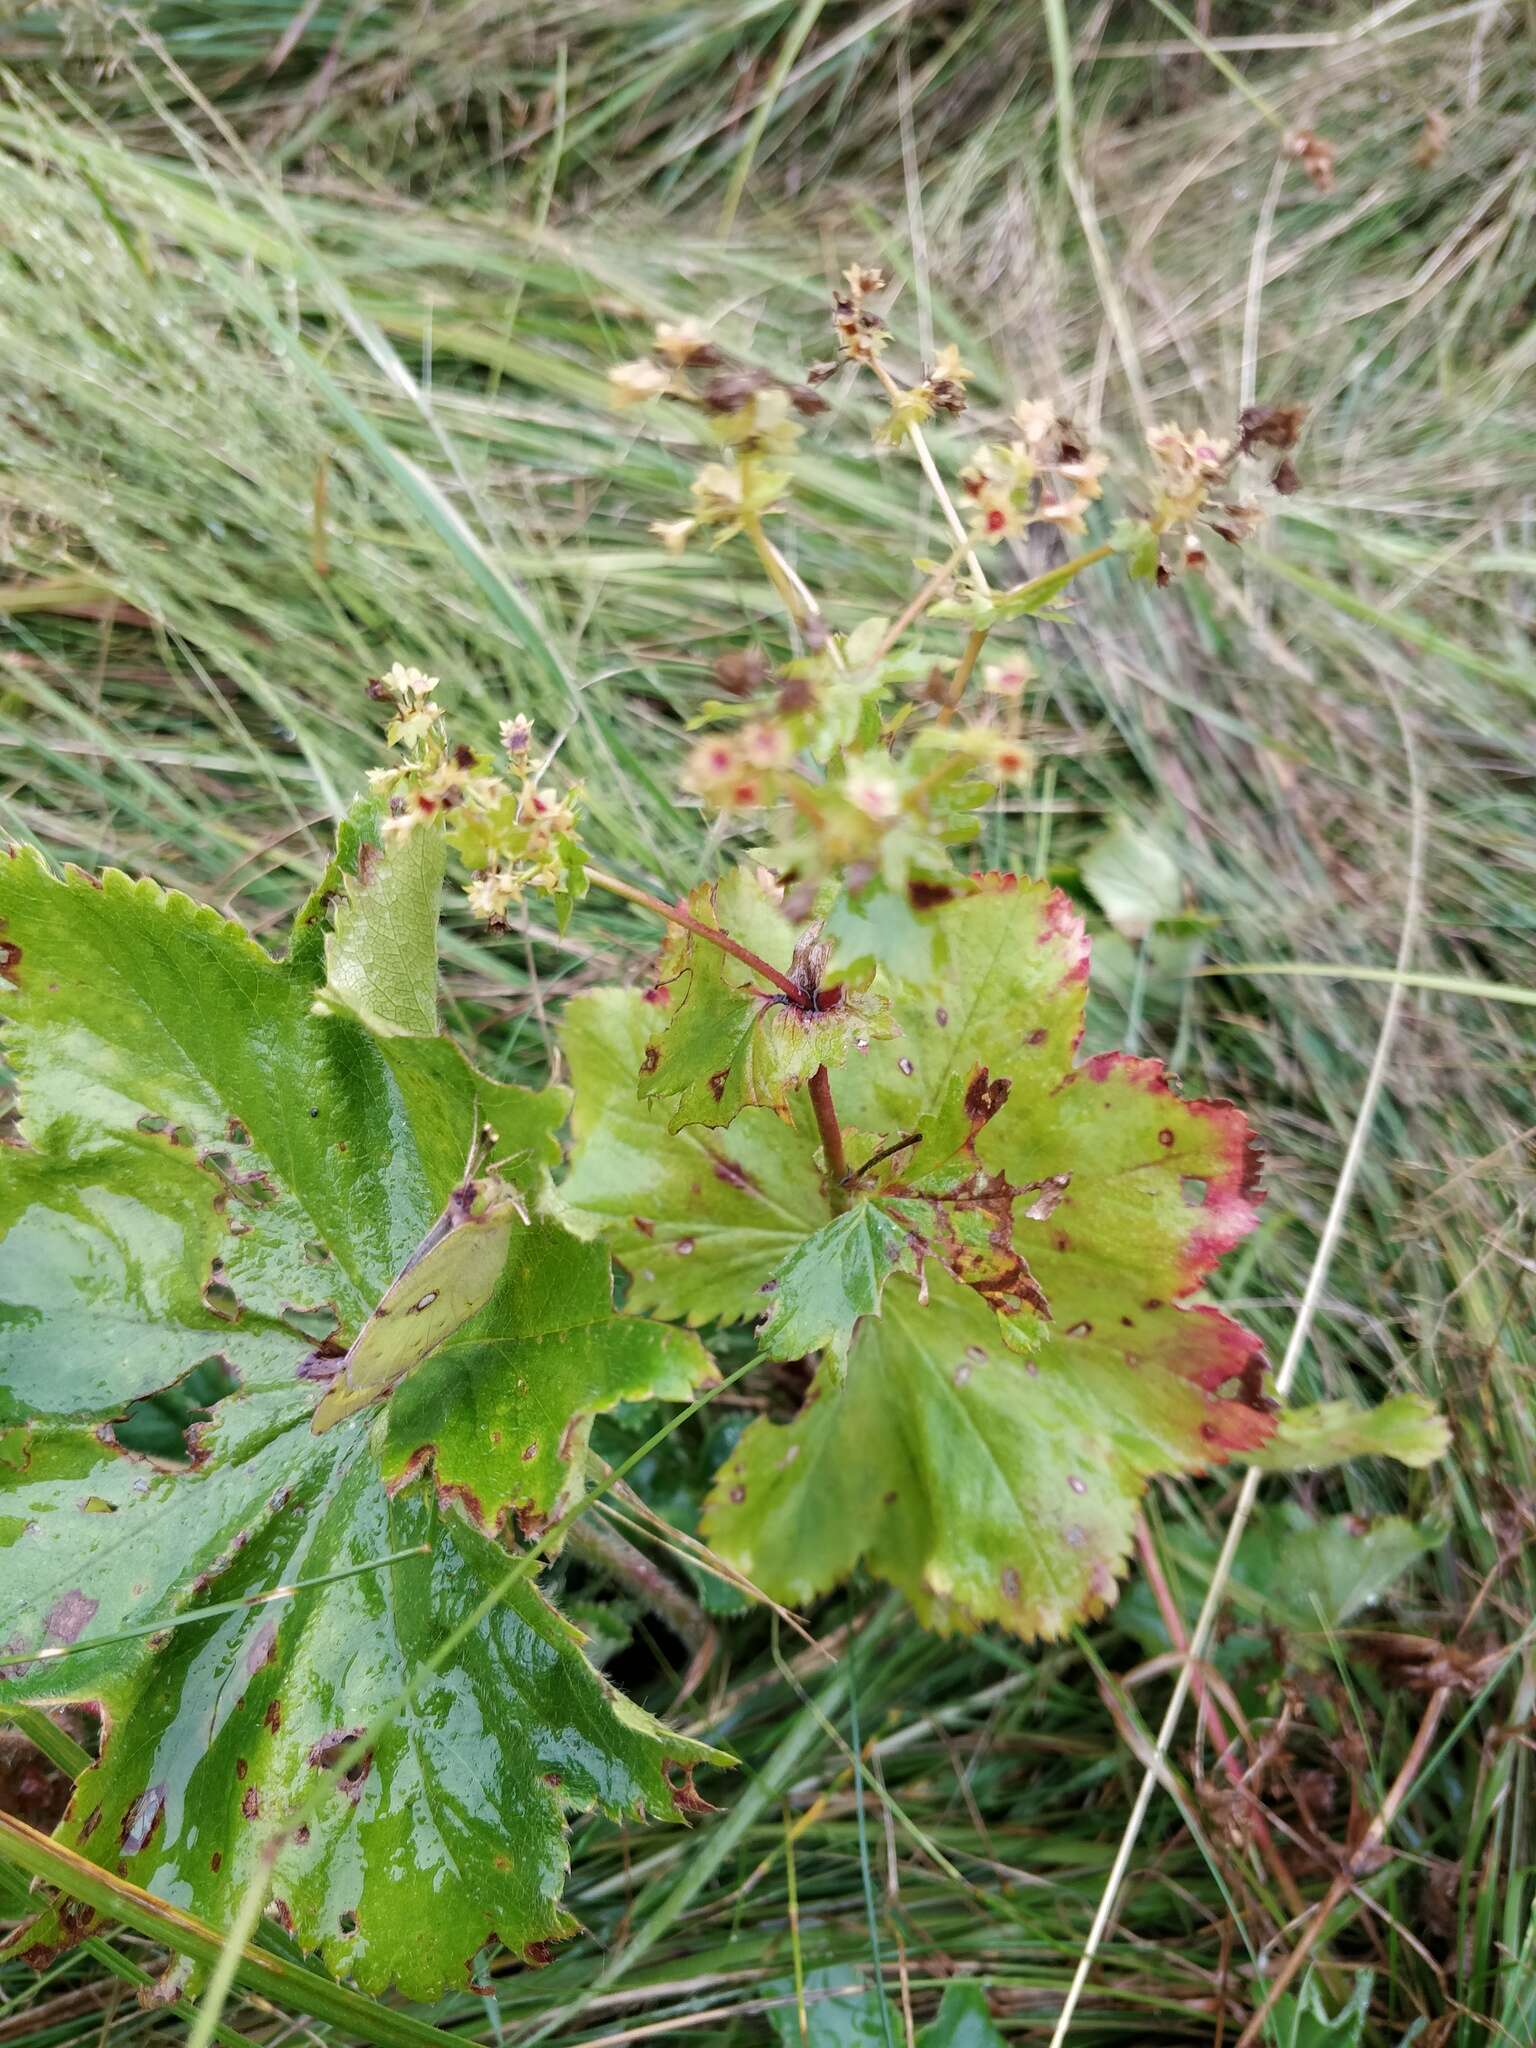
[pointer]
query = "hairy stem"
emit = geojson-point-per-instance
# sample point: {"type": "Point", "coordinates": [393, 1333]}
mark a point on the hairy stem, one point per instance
{"type": "Point", "coordinates": [689, 923]}
{"type": "Point", "coordinates": [820, 1090]}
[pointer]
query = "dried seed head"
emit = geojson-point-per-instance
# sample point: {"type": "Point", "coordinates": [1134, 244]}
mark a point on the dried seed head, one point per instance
{"type": "Point", "coordinates": [1269, 426]}
{"type": "Point", "coordinates": [1315, 156]}
{"type": "Point", "coordinates": [741, 671]}
{"type": "Point", "coordinates": [1434, 140]}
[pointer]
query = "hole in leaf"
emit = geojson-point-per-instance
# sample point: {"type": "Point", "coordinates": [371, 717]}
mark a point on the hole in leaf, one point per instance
{"type": "Point", "coordinates": [1194, 1190]}
{"type": "Point", "coordinates": [314, 1323]}
{"type": "Point", "coordinates": [159, 1425]}
{"type": "Point", "coordinates": [349, 1922]}
{"type": "Point", "coordinates": [220, 1299]}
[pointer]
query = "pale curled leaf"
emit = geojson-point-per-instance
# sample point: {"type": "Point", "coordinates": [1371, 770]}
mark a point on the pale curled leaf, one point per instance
{"type": "Point", "coordinates": [1133, 879]}
{"type": "Point", "coordinates": [381, 951]}
{"type": "Point", "coordinates": [445, 1282]}
{"type": "Point", "coordinates": [1404, 1426]}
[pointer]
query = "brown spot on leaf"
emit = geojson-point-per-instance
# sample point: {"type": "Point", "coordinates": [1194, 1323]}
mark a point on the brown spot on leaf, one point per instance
{"type": "Point", "coordinates": [738, 1495]}
{"type": "Point", "coordinates": [10, 959]}
{"type": "Point", "coordinates": [1047, 1194]}
{"type": "Point", "coordinates": [68, 1616]}
{"type": "Point", "coordinates": [684, 1796]}
{"type": "Point", "coordinates": [733, 1175]}
{"type": "Point", "coordinates": [929, 895]}
{"type": "Point", "coordinates": [1038, 1036]}
{"type": "Point", "coordinates": [644, 1225]}
{"type": "Point", "coordinates": [242, 1768]}
{"type": "Point", "coordinates": [273, 1716]}
{"type": "Point", "coordinates": [717, 1082]}
{"type": "Point", "coordinates": [1010, 1582]}
{"type": "Point", "coordinates": [216, 1861]}
{"type": "Point", "coordinates": [984, 1097]}
{"type": "Point", "coordinates": [530, 1452]}
{"type": "Point", "coordinates": [538, 1955]}
{"type": "Point", "coordinates": [263, 1647]}
{"type": "Point", "coordinates": [90, 1824]}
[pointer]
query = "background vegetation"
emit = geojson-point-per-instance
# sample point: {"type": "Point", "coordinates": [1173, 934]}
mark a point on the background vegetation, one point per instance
{"type": "Point", "coordinates": [304, 324]}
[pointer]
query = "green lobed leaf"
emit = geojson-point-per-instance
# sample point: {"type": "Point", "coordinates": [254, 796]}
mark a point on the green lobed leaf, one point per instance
{"type": "Point", "coordinates": [725, 1040]}
{"type": "Point", "coordinates": [700, 1218]}
{"type": "Point", "coordinates": [1404, 1426]}
{"type": "Point", "coordinates": [211, 1168]}
{"type": "Point", "coordinates": [220, 1727]}
{"type": "Point", "coordinates": [829, 1280]}
{"type": "Point", "coordinates": [986, 1484]}
{"type": "Point", "coordinates": [503, 1418]}
{"type": "Point", "coordinates": [1294, 1571]}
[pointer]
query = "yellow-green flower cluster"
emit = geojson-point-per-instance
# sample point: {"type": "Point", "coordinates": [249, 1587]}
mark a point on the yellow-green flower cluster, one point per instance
{"type": "Point", "coordinates": [1046, 475]}
{"type": "Point", "coordinates": [510, 827]}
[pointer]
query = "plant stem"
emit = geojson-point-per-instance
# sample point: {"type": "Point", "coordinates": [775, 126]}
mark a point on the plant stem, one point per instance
{"type": "Point", "coordinates": [774, 569]}
{"type": "Point", "coordinates": [918, 605]}
{"type": "Point", "coordinates": [930, 470]}
{"type": "Point", "coordinates": [820, 1090]}
{"type": "Point", "coordinates": [689, 923]}
{"type": "Point", "coordinates": [975, 641]}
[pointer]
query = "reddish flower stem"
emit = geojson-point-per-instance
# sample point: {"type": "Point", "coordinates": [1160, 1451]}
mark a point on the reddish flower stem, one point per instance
{"type": "Point", "coordinates": [689, 923]}
{"type": "Point", "coordinates": [819, 1089]}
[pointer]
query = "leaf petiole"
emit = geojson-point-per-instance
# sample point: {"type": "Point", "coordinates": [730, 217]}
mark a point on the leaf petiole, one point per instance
{"type": "Point", "coordinates": [685, 920]}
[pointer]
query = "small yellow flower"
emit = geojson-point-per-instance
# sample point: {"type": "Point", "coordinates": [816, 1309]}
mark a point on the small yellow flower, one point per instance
{"type": "Point", "coordinates": [673, 533]}
{"type": "Point", "coordinates": [1065, 514]}
{"type": "Point", "coordinates": [765, 746]}
{"type": "Point", "coordinates": [993, 514]}
{"type": "Point", "coordinates": [1036, 421]}
{"type": "Point", "coordinates": [716, 493]}
{"type": "Point", "coordinates": [1008, 679]}
{"type": "Point", "coordinates": [713, 764]}
{"type": "Point", "coordinates": [683, 342]}
{"type": "Point", "coordinates": [634, 383]}
{"type": "Point", "coordinates": [1085, 474]}
{"type": "Point", "coordinates": [413, 723]}
{"type": "Point", "coordinates": [492, 892]}
{"type": "Point", "coordinates": [406, 685]}
{"type": "Point", "coordinates": [877, 795]}
{"type": "Point", "coordinates": [1009, 759]}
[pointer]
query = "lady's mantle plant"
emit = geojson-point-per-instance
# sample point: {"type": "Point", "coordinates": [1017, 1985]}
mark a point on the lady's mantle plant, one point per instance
{"type": "Point", "coordinates": [846, 1105]}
